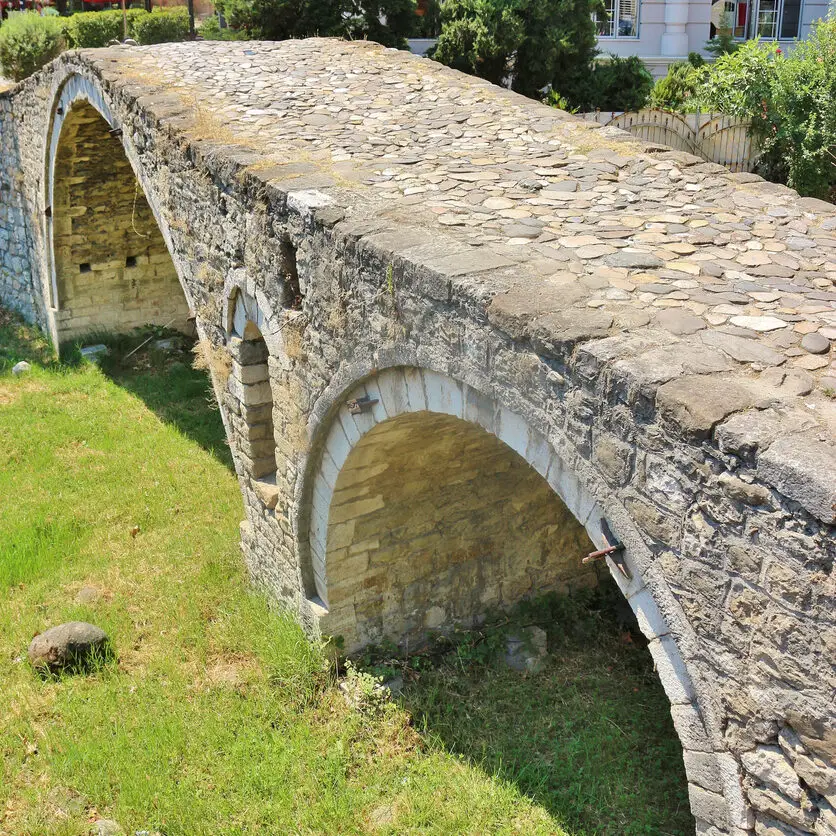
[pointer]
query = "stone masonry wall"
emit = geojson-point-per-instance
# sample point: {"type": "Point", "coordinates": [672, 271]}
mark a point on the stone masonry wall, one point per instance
{"type": "Point", "coordinates": [434, 523]}
{"type": "Point", "coordinates": [16, 287]}
{"type": "Point", "coordinates": [608, 293]}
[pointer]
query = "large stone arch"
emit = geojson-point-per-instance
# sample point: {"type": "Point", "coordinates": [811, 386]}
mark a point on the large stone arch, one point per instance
{"type": "Point", "coordinates": [108, 247]}
{"type": "Point", "coordinates": [351, 414]}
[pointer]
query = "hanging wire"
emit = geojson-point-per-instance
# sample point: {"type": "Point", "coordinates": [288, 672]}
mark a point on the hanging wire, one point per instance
{"type": "Point", "coordinates": [133, 212]}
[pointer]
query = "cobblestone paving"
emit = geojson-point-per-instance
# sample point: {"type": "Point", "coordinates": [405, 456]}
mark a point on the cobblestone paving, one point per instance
{"type": "Point", "coordinates": [635, 235]}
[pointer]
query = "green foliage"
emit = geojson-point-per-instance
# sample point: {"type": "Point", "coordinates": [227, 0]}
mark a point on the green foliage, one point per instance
{"type": "Point", "coordinates": [478, 37]}
{"type": "Point", "coordinates": [679, 89]}
{"type": "Point", "coordinates": [536, 43]}
{"type": "Point", "coordinates": [797, 124]}
{"type": "Point", "coordinates": [428, 25]}
{"type": "Point", "coordinates": [282, 19]}
{"type": "Point", "coordinates": [162, 26]}
{"type": "Point", "coordinates": [617, 84]}
{"type": "Point", "coordinates": [28, 42]}
{"type": "Point", "coordinates": [210, 30]}
{"type": "Point", "coordinates": [88, 30]}
{"type": "Point", "coordinates": [739, 83]}
{"type": "Point", "coordinates": [362, 20]}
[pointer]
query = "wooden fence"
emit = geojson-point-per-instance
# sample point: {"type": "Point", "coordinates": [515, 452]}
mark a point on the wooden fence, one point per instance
{"type": "Point", "coordinates": [713, 136]}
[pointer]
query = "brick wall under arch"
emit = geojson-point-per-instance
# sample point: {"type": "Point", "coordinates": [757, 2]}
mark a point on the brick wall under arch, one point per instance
{"type": "Point", "coordinates": [433, 523]}
{"type": "Point", "coordinates": [113, 270]}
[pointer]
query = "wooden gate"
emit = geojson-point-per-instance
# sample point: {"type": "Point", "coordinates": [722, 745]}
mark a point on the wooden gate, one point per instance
{"type": "Point", "coordinates": [713, 136]}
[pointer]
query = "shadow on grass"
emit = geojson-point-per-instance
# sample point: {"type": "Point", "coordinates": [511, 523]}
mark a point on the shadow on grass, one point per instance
{"type": "Point", "coordinates": [21, 341]}
{"type": "Point", "coordinates": [589, 738]}
{"type": "Point", "coordinates": [164, 379]}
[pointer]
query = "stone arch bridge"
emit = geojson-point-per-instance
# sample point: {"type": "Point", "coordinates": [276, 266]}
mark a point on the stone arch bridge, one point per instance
{"type": "Point", "coordinates": [456, 336]}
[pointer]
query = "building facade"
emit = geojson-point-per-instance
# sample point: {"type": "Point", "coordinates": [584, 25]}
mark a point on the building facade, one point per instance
{"type": "Point", "coordinates": [663, 31]}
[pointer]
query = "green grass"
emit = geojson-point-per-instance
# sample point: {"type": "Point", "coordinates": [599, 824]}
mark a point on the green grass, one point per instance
{"type": "Point", "coordinates": [217, 716]}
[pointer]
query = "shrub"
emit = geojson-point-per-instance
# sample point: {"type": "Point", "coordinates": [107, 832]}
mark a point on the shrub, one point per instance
{"type": "Point", "coordinates": [88, 30]}
{"type": "Point", "coordinates": [279, 20]}
{"type": "Point", "coordinates": [536, 42]}
{"type": "Point", "coordinates": [210, 30]}
{"type": "Point", "coordinates": [739, 82]}
{"type": "Point", "coordinates": [427, 22]}
{"type": "Point", "coordinates": [797, 120]}
{"type": "Point", "coordinates": [618, 84]}
{"type": "Point", "coordinates": [162, 26]}
{"type": "Point", "coordinates": [679, 89]}
{"type": "Point", "coordinates": [28, 42]}
{"type": "Point", "coordinates": [723, 43]}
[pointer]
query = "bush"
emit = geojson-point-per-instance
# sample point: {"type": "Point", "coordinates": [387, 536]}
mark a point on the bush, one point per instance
{"type": "Point", "coordinates": [797, 120]}
{"type": "Point", "coordinates": [679, 89]}
{"type": "Point", "coordinates": [739, 82]}
{"type": "Point", "coordinates": [278, 20]}
{"type": "Point", "coordinates": [210, 30]}
{"type": "Point", "coordinates": [162, 26]}
{"type": "Point", "coordinates": [536, 43]}
{"type": "Point", "coordinates": [618, 84]}
{"type": "Point", "coordinates": [28, 42]}
{"type": "Point", "coordinates": [88, 30]}
{"type": "Point", "coordinates": [428, 24]}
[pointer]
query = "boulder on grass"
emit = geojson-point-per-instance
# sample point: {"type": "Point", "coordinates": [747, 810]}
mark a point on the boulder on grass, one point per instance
{"type": "Point", "coordinates": [526, 650]}
{"type": "Point", "coordinates": [74, 647]}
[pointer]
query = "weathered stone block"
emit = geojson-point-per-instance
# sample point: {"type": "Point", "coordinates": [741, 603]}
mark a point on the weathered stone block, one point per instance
{"type": "Point", "coordinates": [804, 469]}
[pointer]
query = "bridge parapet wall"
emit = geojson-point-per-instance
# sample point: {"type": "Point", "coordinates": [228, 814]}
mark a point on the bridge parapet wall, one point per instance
{"type": "Point", "coordinates": [707, 449]}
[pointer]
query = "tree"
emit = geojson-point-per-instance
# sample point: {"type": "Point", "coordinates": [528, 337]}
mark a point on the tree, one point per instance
{"type": "Point", "coordinates": [536, 43]}
{"type": "Point", "coordinates": [385, 21]}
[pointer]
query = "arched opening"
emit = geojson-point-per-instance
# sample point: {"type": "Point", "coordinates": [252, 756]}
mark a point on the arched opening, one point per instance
{"type": "Point", "coordinates": [434, 522]}
{"type": "Point", "coordinates": [251, 396]}
{"type": "Point", "coordinates": [112, 268]}
{"type": "Point", "coordinates": [430, 502]}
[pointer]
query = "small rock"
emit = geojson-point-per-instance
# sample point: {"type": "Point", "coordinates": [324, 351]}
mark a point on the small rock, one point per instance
{"type": "Point", "coordinates": [634, 259]}
{"type": "Point", "coordinates": [20, 368]}
{"type": "Point", "coordinates": [792, 382]}
{"type": "Point", "coordinates": [68, 646]}
{"type": "Point", "coordinates": [88, 595]}
{"type": "Point", "coordinates": [815, 344]}
{"type": "Point", "coordinates": [107, 827]}
{"type": "Point", "coordinates": [395, 685]}
{"type": "Point", "coordinates": [167, 344]}
{"type": "Point", "coordinates": [526, 650]}
{"type": "Point", "coordinates": [678, 321]}
{"type": "Point", "coordinates": [93, 353]}
{"type": "Point", "coordinates": [759, 323]}
{"type": "Point", "coordinates": [521, 231]}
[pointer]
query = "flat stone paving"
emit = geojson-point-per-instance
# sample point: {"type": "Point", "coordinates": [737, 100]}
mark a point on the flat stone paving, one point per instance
{"type": "Point", "coordinates": [629, 233]}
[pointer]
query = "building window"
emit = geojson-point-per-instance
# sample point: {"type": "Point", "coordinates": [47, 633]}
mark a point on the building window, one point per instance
{"type": "Point", "coordinates": [770, 19]}
{"type": "Point", "coordinates": [778, 19]}
{"type": "Point", "coordinates": [621, 20]}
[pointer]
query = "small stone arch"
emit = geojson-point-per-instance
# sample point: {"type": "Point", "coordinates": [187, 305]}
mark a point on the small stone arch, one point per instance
{"type": "Point", "coordinates": [390, 395]}
{"type": "Point", "coordinates": [249, 392]}
{"type": "Point", "coordinates": [109, 250]}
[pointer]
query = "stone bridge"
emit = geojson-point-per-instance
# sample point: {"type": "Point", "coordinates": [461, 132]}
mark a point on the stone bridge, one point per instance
{"type": "Point", "coordinates": [461, 339]}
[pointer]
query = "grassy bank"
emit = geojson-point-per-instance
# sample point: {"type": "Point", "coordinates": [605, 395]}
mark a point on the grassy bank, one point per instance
{"type": "Point", "coordinates": [217, 716]}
